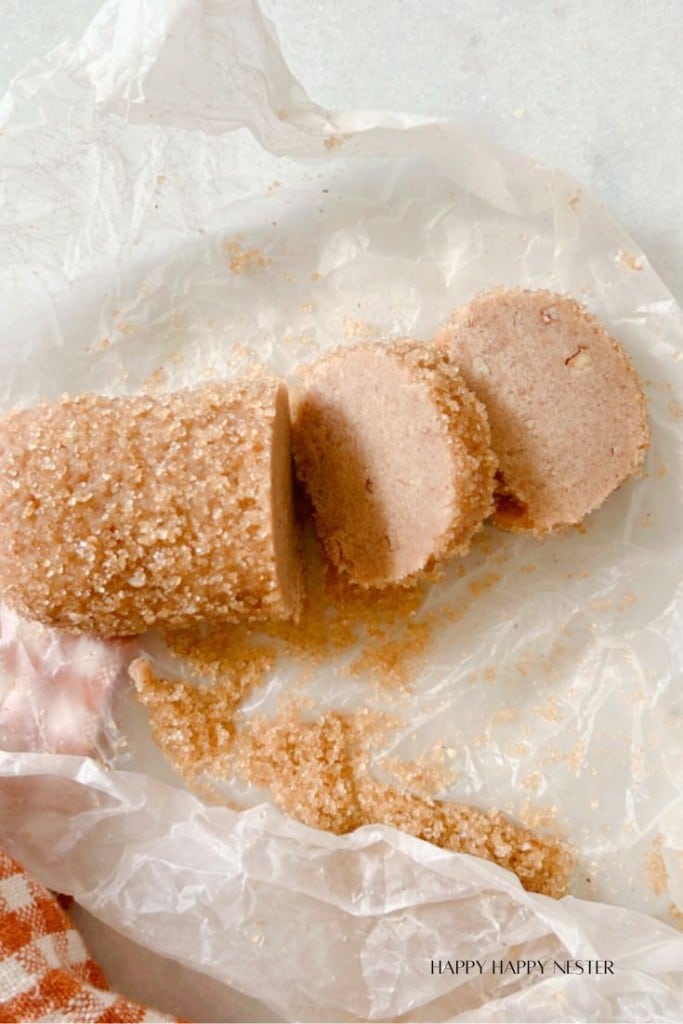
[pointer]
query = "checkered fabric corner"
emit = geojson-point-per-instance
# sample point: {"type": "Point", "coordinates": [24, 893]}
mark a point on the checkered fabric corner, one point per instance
{"type": "Point", "coordinates": [45, 971]}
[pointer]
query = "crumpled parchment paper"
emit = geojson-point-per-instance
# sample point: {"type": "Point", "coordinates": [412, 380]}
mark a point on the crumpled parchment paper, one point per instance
{"type": "Point", "coordinates": [171, 206]}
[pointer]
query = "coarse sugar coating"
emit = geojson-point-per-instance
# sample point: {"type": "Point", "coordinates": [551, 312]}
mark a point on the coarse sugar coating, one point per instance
{"type": "Point", "coordinates": [567, 412]}
{"type": "Point", "coordinates": [394, 451]}
{"type": "Point", "coordinates": [121, 514]}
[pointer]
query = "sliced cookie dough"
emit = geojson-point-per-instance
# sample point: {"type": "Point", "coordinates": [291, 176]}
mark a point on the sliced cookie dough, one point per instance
{"type": "Point", "coordinates": [567, 412]}
{"type": "Point", "coordinates": [394, 451]}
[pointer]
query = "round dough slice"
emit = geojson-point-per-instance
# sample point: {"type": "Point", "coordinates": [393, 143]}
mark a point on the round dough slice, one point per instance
{"type": "Point", "coordinates": [567, 412]}
{"type": "Point", "coordinates": [394, 451]}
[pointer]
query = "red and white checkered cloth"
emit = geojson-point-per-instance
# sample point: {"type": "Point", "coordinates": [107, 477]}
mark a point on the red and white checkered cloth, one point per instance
{"type": "Point", "coordinates": [45, 971]}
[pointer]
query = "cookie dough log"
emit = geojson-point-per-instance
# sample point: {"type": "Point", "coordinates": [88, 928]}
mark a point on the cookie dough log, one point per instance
{"type": "Point", "coordinates": [122, 514]}
{"type": "Point", "coordinates": [394, 452]}
{"type": "Point", "coordinates": [567, 412]}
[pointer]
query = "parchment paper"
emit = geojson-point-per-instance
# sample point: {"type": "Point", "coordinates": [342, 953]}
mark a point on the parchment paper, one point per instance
{"type": "Point", "coordinates": [134, 166]}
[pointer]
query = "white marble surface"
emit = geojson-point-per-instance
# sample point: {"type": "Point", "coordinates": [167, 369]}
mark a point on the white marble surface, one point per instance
{"type": "Point", "coordinates": [594, 87]}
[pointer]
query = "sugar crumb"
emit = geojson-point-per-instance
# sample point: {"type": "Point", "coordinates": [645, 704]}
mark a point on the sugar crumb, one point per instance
{"type": "Point", "coordinates": [355, 328]}
{"type": "Point", "coordinates": [550, 711]}
{"type": "Point", "coordinates": [483, 583]}
{"type": "Point", "coordinates": [155, 380]}
{"type": "Point", "coordinates": [426, 775]}
{"type": "Point", "coordinates": [676, 915]}
{"type": "Point", "coordinates": [655, 868]}
{"type": "Point", "coordinates": [244, 261]}
{"type": "Point", "coordinates": [629, 260]}
{"type": "Point", "coordinates": [533, 781]}
{"type": "Point", "coordinates": [535, 817]}
{"type": "Point", "coordinates": [576, 757]}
